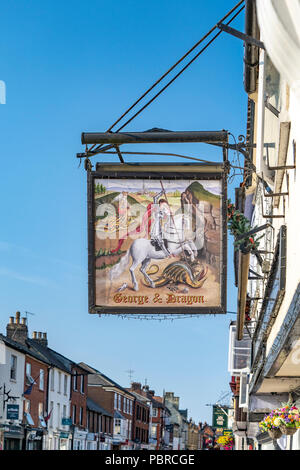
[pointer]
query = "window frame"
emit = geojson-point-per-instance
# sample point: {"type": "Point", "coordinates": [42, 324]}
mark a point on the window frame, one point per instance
{"type": "Point", "coordinates": [42, 380]}
{"type": "Point", "coordinates": [13, 367]}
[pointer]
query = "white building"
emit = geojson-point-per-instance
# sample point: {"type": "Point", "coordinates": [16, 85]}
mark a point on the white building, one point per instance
{"type": "Point", "coordinates": [271, 196]}
{"type": "Point", "coordinates": [12, 367]}
{"type": "Point", "coordinates": [59, 437]}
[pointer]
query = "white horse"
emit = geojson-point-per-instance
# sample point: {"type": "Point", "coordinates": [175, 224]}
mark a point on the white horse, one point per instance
{"type": "Point", "coordinates": [142, 251]}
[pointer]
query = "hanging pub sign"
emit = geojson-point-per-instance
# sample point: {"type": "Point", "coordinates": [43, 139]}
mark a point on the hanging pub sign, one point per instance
{"type": "Point", "coordinates": [220, 418]}
{"type": "Point", "coordinates": [157, 238]}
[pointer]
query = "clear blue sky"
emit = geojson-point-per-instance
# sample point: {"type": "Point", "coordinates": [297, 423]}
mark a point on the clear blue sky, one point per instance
{"type": "Point", "coordinates": [74, 66]}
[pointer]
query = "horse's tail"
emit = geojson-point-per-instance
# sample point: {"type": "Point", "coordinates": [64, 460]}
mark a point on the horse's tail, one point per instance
{"type": "Point", "coordinates": [119, 268]}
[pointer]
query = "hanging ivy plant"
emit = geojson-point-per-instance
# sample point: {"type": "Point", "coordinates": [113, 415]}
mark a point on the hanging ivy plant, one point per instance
{"type": "Point", "coordinates": [238, 224]}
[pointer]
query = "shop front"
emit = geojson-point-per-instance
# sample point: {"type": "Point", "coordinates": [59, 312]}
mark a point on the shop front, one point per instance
{"type": "Point", "coordinates": [12, 437]}
{"type": "Point", "coordinates": [34, 439]}
{"type": "Point", "coordinates": [65, 439]}
{"type": "Point", "coordinates": [91, 441]}
{"type": "Point", "coordinates": [105, 442]}
{"type": "Point", "coordinates": [79, 439]}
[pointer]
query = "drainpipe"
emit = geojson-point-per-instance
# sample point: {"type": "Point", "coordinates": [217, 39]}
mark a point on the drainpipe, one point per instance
{"type": "Point", "coordinates": [251, 54]}
{"type": "Point", "coordinates": [260, 166]}
{"type": "Point", "coordinates": [47, 401]}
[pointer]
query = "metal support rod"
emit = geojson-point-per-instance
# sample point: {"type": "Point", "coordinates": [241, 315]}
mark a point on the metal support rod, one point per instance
{"type": "Point", "coordinates": [153, 137]}
{"type": "Point", "coordinates": [240, 35]}
{"type": "Point", "coordinates": [255, 274]}
{"type": "Point", "coordinates": [119, 154]}
{"type": "Point", "coordinates": [270, 107]}
{"type": "Point", "coordinates": [275, 194]}
{"type": "Point", "coordinates": [270, 216]}
{"type": "Point", "coordinates": [254, 230]}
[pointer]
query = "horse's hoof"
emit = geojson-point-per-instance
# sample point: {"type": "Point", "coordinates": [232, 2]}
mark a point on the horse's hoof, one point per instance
{"type": "Point", "coordinates": [152, 285]}
{"type": "Point", "coordinates": [136, 288]}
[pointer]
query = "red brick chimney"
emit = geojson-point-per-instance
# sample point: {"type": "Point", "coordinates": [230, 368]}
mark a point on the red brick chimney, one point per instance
{"type": "Point", "coordinates": [136, 386]}
{"type": "Point", "coordinates": [17, 329]}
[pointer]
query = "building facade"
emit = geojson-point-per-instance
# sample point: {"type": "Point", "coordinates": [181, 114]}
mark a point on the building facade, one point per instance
{"type": "Point", "coordinates": [117, 401]}
{"type": "Point", "coordinates": [264, 342]}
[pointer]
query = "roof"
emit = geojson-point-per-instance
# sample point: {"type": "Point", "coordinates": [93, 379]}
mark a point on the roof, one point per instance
{"type": "Point", "coordinates": [156, 403]}
{"type": "Point", "coordinates": [55, 359]}
{"type": "Point", "coordinates": [98, 378]}
{"type": "Point", "coordinates": [138, 396]}
{"type": "Point", "coordinates": [118, 415]}
{"type": "Point", "coordinates": [184, 413]}
{"type": "Point", "coordinates": [93, 406]}
{"type": "Point", "coordinates": [95, 377]}
{"type": "Point", "coordinates": [42, 353]}
{"type": "Point", "coordinates": [24, 348]}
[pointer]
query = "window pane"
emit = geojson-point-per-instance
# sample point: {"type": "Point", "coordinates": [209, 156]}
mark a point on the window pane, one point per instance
{"type": "Point", "coordinates": [41, 379]}
{"type": "Point", "coordinates": [13, 367]}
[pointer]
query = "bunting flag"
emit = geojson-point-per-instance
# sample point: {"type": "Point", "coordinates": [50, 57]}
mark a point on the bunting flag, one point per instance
{"type": "Point", "coordinates": [28, 390]}
{"type": "Point", "coordinates": [46, 419]}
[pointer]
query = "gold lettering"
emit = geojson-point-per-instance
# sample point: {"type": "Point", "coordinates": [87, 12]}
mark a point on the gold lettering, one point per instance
{"type": "Point", "coordinates": [157, 299]}
{"type": "Point", "coordinates": [131, 299]}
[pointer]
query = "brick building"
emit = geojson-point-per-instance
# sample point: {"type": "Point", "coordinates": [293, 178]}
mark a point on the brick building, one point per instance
{"type": "Point", "coordinates": [79, 406]}
{"type": "Point", "coordinates": [117, 401]}
{"type": "Point", "coordinates": [35, 402]}
{"type": "Point", "coordinates": [100, 427]}
{"type": "Point", "coordinates": [23, 385]}
{"type": "Point", "coordinates": [141, 418]}
{"type": "Point", "coordinates": [67, 394]}
{"type": "Point", "coordinates": [193, 435]}
{"type": "Point", "coordinates": [156, 431]}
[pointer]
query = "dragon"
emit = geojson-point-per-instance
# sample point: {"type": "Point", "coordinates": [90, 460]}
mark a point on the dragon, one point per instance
{"type": "Point", "coordinates": [179, 272]}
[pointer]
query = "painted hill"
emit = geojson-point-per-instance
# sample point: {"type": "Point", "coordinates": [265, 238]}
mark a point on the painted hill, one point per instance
{"type": "Point", "coordinates": [201, 194]}
{"type": "Point", "coordinates": [109, 198]}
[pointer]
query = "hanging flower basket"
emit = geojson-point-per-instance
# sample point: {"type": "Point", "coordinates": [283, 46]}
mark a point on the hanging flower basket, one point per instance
{"type": "Point", "coordinates": [226, 442]}
{"type": "Point", "coordinates": [290, 419]}
{"type": "Point", "coordinates": [288, 430]}
{"type": "Point", "coordinates": [285, 420]}
{"type": "Point", "coordinates": [271, 423]}
{"type": "Point", "coordinates": [275, 433]}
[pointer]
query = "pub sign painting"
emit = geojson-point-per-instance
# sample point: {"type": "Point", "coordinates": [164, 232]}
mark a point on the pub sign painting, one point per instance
{"type": "Point", "coordinates": [157, 244]}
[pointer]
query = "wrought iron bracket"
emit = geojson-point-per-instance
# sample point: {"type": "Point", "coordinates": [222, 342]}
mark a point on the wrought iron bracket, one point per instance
{"type": "Point", "coordinates": [270, 216]}
{"type": "Point", "coordinates": [270, 107]}
{"type": "Point", "coordinates": [240, 35]}
{"type": "Point", "coordinates": [281, 167]}
{"type": "Point", "coordinates": [254, 230]}
{"type": "Point", "coordinates": [256, 275]}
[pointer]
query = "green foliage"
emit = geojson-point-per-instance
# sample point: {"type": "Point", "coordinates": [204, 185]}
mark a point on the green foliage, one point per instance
{"type": "Point", "coordinates": [100, 189]}
{"type": "Point", "coordinates": [238, 224]}
{"type": "Point", "coordinates": [102, 252]}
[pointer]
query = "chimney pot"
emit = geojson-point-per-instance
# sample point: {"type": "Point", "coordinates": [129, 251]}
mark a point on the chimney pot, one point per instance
{"type": "Point", "coordinates": [23, 321]}
{"type": "Point", "coordinates": [11, 320]}
{"type": "Point", "coordinates": [40, 338]}
{"type": "Point", "coordinates": [18, 317]}
{"type": "Point", "coordinates": [136, 386]}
